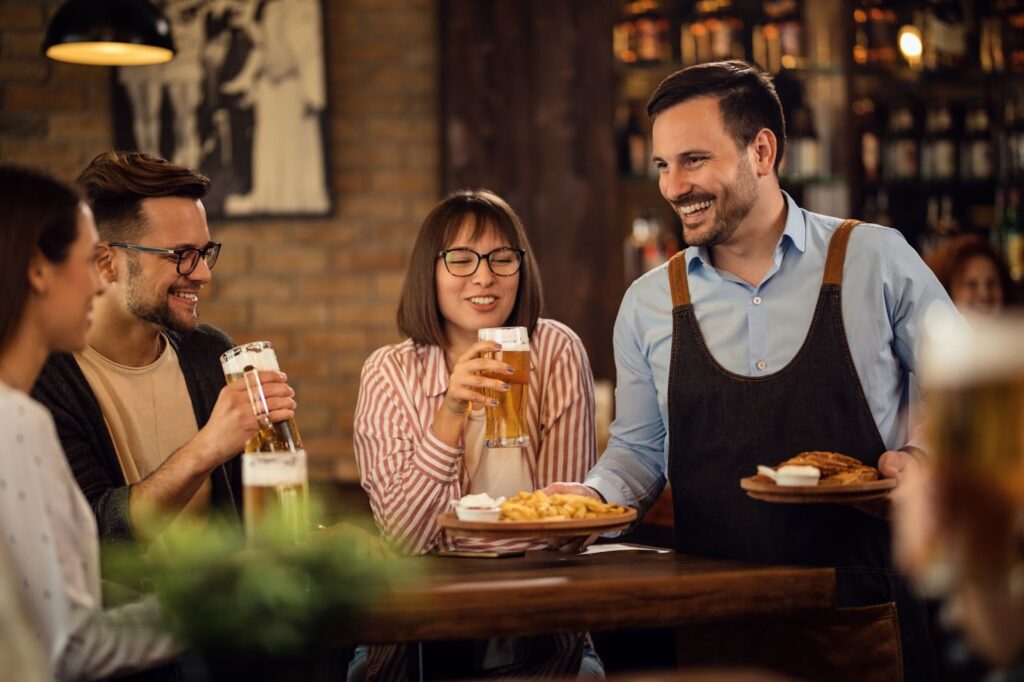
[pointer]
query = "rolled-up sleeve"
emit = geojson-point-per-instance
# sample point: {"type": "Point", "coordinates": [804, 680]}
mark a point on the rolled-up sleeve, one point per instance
{"type": "Point", "coordinates": [631, 471]}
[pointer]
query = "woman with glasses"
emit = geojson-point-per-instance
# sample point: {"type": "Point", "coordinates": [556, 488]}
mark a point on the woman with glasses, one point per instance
{"type": "Point", "coordinates": [48, 274]}
{"type": "Point", "coordinates": [419, 418]}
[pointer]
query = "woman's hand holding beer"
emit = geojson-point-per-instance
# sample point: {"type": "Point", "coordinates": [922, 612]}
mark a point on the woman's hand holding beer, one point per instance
{"type": "Point", "coordinates": [471, 375]}
{"type": "Point", "coordinates": [233, 422]}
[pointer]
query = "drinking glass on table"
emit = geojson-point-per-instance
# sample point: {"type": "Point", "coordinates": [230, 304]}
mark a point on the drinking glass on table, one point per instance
{"type": "Point", "coordinates": [275, 482]}
{"type": "Point", "coordinates": [505, 423]}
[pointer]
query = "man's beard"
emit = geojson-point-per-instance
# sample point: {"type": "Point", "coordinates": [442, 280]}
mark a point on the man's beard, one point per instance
{"type": "Point", "coordinates": [731, 209]}
{"type": "Point", "coordinates": [159, 314]}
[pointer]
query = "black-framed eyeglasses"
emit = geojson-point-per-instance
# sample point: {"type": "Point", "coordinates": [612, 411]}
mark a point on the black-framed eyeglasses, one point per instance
{"type": "Point", "coordinates": [504, 261]}
{"type": "Point", "coordinates": [187, 259]}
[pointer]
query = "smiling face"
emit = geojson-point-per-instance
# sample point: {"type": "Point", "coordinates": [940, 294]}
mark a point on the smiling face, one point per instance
{"type": "Point", "coordinates": [153, 291]}
{"type": "Point", "coordinates": [483, 299]}
{"type": "Point", "coordinates": [706, 178]}
{"type": "Point", "coordinates": [977, 287]}
{"type": "Point", "coordinates": [73, 284]}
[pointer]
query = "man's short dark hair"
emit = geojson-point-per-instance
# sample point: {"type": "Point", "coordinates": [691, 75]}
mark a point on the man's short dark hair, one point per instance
{"type": "Point", "coordinates": [116, 183]}
{"type": "Point", "coordinates": [746, 98]}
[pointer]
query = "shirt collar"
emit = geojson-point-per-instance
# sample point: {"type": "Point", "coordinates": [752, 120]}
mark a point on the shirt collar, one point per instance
{"type": "Point", "coordinates": [795, 230]}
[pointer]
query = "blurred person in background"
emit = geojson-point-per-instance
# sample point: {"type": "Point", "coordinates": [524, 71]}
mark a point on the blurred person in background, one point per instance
{"type": "Point", "coordinates": [975, 275]}
{"type": "Point", "coordinates": [419, 420]}
{"type": "Point", "coordinates": [48, 251]}
{"type": "Point", "coordinates": [142, 410]}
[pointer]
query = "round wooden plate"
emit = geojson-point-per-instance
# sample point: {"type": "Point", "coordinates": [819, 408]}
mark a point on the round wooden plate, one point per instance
{"type": "Point", "coordinates": [816, 494]}
{"type": "Point", "coordinates": [532, 529]}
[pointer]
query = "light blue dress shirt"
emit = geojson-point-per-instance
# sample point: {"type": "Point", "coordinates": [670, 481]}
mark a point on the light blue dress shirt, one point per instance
{"type": "Point", "coordinates": [757, 330]}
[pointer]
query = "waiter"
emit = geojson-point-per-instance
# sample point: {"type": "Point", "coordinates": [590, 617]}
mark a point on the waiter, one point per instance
{"type": "Point", "coordinates": [777, 331]}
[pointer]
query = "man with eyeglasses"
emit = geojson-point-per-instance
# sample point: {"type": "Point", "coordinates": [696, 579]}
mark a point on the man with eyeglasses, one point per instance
{"type": "Point", "coordinates": [149, 428]}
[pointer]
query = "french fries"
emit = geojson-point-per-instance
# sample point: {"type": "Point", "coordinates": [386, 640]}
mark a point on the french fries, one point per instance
{"type": "Point", "coordinates": [537, 506]}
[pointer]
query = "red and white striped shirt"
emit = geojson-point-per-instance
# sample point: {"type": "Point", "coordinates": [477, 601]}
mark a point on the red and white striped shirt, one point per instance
{"type": "Point", "coordinates": [411, 475]}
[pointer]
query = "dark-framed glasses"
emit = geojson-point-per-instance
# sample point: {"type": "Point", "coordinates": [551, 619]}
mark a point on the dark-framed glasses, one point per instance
{"type": "Point", "coordinates": [504, 261]}
{"type": "Point", "coordinates": [186, 259]}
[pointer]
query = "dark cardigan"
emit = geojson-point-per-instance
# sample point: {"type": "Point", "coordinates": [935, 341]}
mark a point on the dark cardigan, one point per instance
{"type": "Point", "coordinates": [83, 432]}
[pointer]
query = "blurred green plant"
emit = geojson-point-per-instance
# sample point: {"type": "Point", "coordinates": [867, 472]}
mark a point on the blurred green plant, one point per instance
{"type": "Point", "coordinates": [271, 595]}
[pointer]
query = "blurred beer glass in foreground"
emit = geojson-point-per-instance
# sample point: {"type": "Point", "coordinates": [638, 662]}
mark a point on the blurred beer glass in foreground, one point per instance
{"type": "Point", "coordinates": [973, 378]}
{"type": "Point", "coordinates": [505, 424]}
{"type": "Point", "coordinates": [274, 473]}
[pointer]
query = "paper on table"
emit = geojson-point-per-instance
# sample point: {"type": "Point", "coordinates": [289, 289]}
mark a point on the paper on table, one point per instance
{"type": "Point", "coordinates": [622, 547]}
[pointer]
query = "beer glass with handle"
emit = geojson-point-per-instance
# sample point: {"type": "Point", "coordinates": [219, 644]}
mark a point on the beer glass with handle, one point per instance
{"type": "Point", "coordinates": [274, 471]}
{"type": "Point", "coordinates": [505, 424]}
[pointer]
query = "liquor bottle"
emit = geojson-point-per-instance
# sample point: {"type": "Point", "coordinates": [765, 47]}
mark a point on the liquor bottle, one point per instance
{"type": "Point", "coordinates": [901, 161]}
{"type": "Point", "coordinates": [652, 33]}
{"type": "Point", "coordinates": [635, 146]}
{"type": "Point", "coordinates": [997, 233]}
{"type": "Point", "coordinates": [883, 217]}
{"type": "Point", "coordinates": [725, 31]}
{"type": "Point", "coordinates": [944, 35]}
{"type": "Point", "coordinates": [1013, 236]}
{"type": "Point", "coordinates": [861, 35]}
{"type": "Point", "coordinates": [779, 42]}
{"type": "Point", "coordinates": [870, 139]}
{"type": "Point", "coordinates": [624, 37]}
{"type": "Point", "coordinates": [929, 240]}
{"type": "Point", "coordinates": [1002, 37]}
{"type": "Point", "coordinates": [803, 153]}
{"type": "Point", "coordinates": [882, 27]}
{"type": "Point", "coordinates": [976, 149]}
{"type": "Point", "coordinates": [938, 155]}
{"type": "Point", "coordinates": [948, 224]}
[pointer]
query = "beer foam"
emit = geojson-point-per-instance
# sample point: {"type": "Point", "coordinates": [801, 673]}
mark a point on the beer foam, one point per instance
{"type": "Point", "coordinates": [959, 352]}
{"type": "Point", "coordinates": [510, 338]}
{"type": "Point", "coordinates": [274, 468]}
{"type": "Point", "coordinates": [263, 359]}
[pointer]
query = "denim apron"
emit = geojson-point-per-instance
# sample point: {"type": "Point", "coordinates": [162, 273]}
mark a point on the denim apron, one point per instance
{"type": "Point", "coordinates": [722, 425]}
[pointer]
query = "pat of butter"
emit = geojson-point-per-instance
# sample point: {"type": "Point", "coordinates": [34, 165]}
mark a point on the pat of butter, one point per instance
{"type": "Point", "coordinates": [766, 471]}
{"type": "Point", "coordinates": [797, 475]}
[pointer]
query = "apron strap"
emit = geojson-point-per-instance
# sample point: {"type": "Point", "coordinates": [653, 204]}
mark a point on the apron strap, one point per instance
{"type": "Point", "coordinates": [677, 280]}
{"type": "Point", "coordinates": [837, 252]}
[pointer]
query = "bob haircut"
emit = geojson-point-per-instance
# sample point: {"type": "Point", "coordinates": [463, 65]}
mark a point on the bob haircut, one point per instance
{"type": "Point", "coordinates": [38, 215]}
{"type": "Point", "coordinates": [419, 315]}
{"type": "Point", "coordinates": [746, 97]}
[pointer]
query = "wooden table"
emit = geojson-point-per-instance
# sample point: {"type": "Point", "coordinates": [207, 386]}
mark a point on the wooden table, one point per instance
{"type": "Point", "coordinates": [546, 591]}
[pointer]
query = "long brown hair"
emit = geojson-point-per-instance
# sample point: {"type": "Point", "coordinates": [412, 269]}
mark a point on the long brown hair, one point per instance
{"type": "Point", "coordinates": [38, 214]}
{"type": "Point", "coordinates": [419, 315]}
{"type": "Point", "coordinates": [116, 184]}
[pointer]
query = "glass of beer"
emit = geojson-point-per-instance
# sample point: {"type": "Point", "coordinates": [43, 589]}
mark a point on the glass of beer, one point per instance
{"type": "Point", "coordinates": [505, 423]}
{"type": "Point", "coordinates": [974, 381]}
{"type": "Point", "coordinates": [274, 471]}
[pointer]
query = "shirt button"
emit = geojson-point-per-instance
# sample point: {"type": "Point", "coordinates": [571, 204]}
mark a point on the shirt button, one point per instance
{"type": "Point", "coordinates": [761, 364]}
{"type": "Point", "coordinates": [757, 300]}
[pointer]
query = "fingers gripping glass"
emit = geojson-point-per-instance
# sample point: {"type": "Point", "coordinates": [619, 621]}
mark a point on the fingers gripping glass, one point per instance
{"type": "Point", "coordinates": [505, 261]}
{"type": "Point", "coordinates": [188, 258]}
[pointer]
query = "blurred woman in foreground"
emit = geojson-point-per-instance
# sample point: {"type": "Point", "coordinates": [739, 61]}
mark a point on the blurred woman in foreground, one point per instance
{"type": "Point", "coordinates": [48, 277]}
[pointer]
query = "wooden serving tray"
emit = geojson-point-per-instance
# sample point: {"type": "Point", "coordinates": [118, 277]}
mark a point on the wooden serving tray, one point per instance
{"type": "Point", "coordinates": [532, 529]}
{"type": "Point", "coordinates": [816, 494]}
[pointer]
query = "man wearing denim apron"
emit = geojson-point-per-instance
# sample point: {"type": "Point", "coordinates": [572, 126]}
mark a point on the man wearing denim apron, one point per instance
{"type": "Point", "coordinates": [776, 331]}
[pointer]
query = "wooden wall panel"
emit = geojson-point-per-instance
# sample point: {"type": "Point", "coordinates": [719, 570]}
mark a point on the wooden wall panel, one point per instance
{"type": "Point", "coordinates": [527, 110]}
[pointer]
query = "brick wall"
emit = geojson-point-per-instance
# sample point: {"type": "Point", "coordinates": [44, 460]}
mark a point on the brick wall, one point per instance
{"type": "Point", "coordinates": [324, 291]}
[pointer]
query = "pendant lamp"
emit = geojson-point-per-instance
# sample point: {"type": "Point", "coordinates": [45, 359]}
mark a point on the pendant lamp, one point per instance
{"type": "Point", "coordinates": [109, 33]}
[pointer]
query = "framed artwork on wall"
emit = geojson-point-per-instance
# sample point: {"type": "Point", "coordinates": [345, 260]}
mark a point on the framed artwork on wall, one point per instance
{"type": "Point", "coordinates": [244, 101]}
